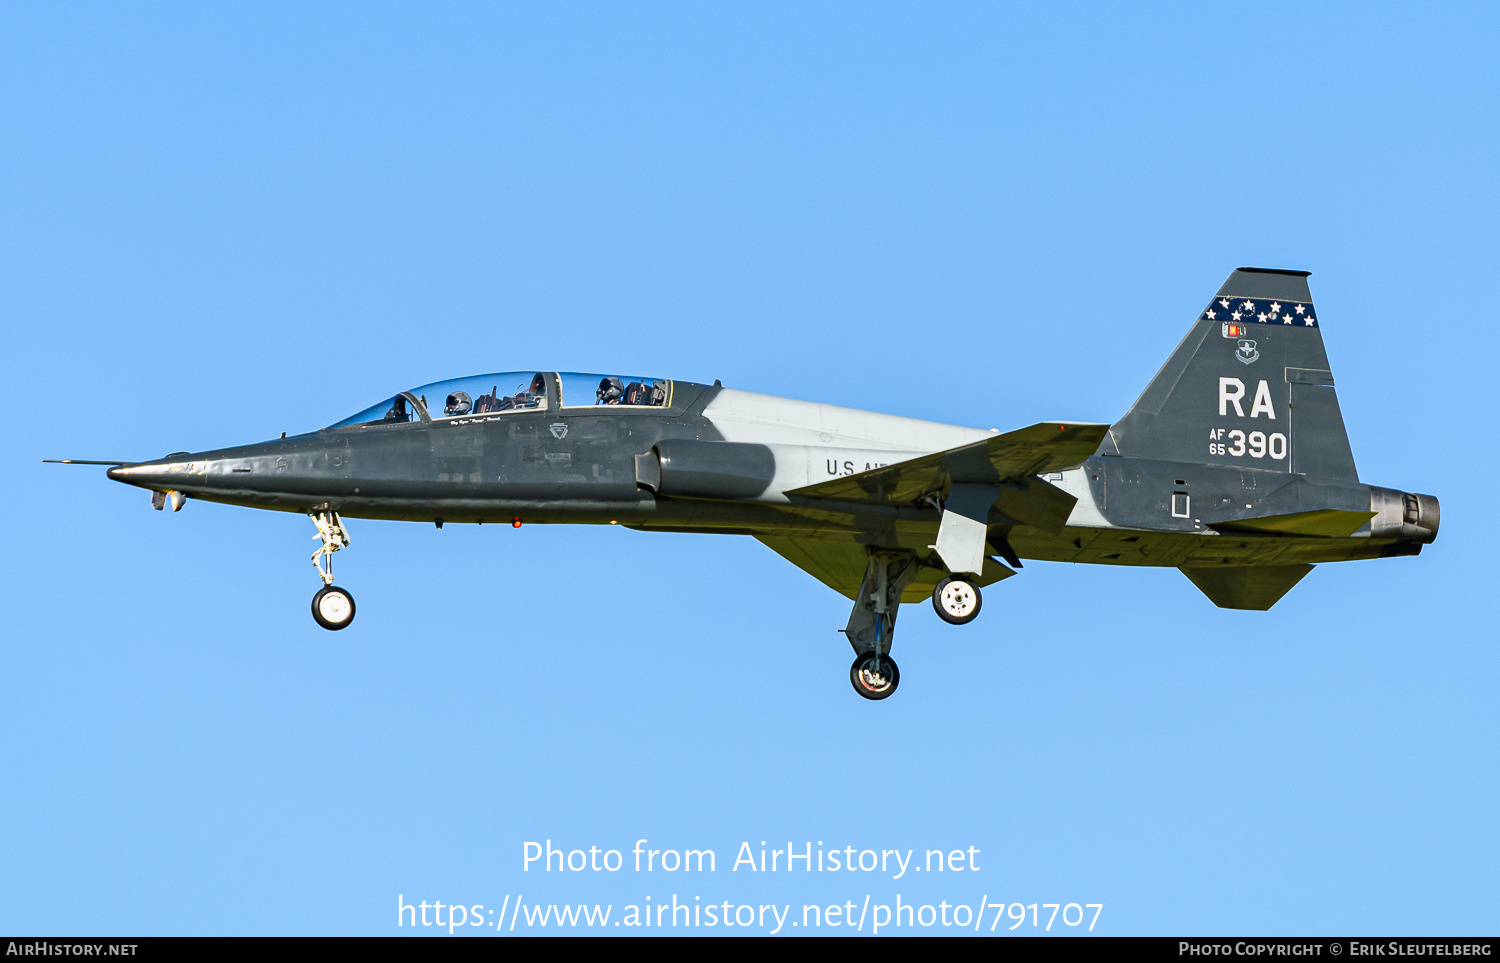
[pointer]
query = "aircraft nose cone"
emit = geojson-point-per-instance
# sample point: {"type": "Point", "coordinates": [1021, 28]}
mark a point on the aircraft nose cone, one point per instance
{"type": "Point", "coordinates": [146, 475]}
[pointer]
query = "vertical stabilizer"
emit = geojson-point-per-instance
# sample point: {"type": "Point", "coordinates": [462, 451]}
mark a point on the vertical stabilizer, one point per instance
{"type": "Point", "coordinates": [1249, 387]}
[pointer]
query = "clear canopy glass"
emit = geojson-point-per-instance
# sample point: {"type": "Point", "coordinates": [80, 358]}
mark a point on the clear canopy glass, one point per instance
{"type": "Point", "coordinates": [579, 390]}
{"type": "Point", "coordinates": [510, 391]}
{"type": "Point", "coordinates": [392, 411]}
{"type": "Point", "coordinates": [456, 398]}
{"type": "Point", "coordinates": [484, 394]}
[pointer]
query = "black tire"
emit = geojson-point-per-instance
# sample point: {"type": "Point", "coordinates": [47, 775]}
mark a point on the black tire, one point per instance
{"type": "Point", "coordinates": [328, 615]}
{"type": "Point", "coordinates": [878, 684]}
{"type": "Point", "coordinates": [963, 591]}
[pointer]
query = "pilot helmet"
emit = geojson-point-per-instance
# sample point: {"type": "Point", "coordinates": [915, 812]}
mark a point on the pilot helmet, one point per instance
{"type": "Point", "coordinates": [458, 404]}
{"type": "Point", "coordinates": [610, 390]}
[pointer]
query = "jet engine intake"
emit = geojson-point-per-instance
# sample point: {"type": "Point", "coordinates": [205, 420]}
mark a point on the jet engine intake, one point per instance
{"type": "Point", "coordinates": [706, 469]}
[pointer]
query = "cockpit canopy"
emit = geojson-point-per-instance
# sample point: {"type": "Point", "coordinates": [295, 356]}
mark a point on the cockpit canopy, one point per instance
{"type": "Point", "coordinates": [581, 390]}
{"type": "Point", "coordinates": [512, 391]}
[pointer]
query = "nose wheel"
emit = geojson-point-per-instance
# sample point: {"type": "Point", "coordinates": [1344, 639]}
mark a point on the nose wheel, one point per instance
{"type": "Point", "coordinates": [333, 607]}
{"type": "Point", "coordinates": [874, 676]}
{"type": "Point", "coordinates": [956, 600]}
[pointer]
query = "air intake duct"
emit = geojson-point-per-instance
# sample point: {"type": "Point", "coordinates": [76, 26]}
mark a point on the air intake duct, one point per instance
{"type": "Point", "coordinates": [706, 469]}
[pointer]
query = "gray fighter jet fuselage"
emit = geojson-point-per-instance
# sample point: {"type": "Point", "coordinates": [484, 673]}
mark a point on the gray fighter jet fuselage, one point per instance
{"type": "Point", "coordinates": [1233, 467]}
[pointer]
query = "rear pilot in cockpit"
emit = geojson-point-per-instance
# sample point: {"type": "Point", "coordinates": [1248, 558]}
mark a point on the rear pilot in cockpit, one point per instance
{"type": "Point", "coordinates": [458, 404]}
{"type": "Point", "coordinates": [611, 391]}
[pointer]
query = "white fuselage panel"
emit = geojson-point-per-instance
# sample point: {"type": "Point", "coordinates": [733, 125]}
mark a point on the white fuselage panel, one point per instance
{"type": "Point", "coordinates": [1085, 512]}
{"type": "Point", "coordinates": [767, 420]}
{"type": "Point", "coordinates": [814, 443]}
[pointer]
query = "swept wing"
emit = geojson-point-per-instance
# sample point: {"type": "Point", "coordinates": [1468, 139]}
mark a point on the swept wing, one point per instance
{"type": "Point", "coordinates": [1010, 462]}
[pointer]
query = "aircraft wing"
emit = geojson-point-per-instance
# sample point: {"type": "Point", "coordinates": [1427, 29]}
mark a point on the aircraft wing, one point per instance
{"type": "Point", "coordinates": [1011, 457]}
{"type": "Point", "coordinates": [1010, 461]}
{"type": "Point", "coordinates": [840, 565]}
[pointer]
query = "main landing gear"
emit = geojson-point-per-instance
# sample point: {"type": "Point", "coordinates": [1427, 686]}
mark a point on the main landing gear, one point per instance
{"type": "Point", "coordinates": [332, 607]}
{"type": "Point", "coordinates": [956, 600]}
{"type": "Point", "coordinates": [872, 624]}
{"type": "Point", "coordinates": [874, 676]}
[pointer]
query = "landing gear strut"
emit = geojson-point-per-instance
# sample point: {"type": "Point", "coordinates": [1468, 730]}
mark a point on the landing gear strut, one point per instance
{"type": "Point", "coordinates": [332, 607]}
{"type": "Point", "coordinates": [873, 622]}
{"type": "Point", "coordinates": [956, 600]}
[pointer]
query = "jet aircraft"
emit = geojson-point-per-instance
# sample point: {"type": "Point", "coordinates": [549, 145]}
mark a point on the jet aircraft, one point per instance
{"type": "Point", "coordinates": [1233, 467]}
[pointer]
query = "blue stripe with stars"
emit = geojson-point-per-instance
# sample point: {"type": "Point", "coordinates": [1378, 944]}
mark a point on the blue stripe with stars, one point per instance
{"type": "Point", "coordinates": [1297, 314]}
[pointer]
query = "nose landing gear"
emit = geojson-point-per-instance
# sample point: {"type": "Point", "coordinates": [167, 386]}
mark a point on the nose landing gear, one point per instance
{"type": "Point", "coordinates": [332, 607]}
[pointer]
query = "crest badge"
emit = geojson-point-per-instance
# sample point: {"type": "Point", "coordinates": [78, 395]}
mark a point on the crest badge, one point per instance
{"type": "Point", "coordinates": [1247, 352]}
{"type": "Point", "coordinates": [560, 429]}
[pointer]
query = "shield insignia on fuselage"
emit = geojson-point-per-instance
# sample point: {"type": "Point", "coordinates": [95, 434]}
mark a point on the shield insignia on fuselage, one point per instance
{"type": "Point", "coordinates": [560, 429]}
{"type": "Point", "coordinates": [1247, 351]}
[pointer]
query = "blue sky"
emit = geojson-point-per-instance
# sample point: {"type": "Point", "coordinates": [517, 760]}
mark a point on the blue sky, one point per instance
{"type": "Point", "coordinates": [223, 222]}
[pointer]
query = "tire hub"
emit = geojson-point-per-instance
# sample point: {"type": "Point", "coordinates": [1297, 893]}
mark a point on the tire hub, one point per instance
{"type": "Point", "coordinates": [334, 607]}
{"type": "Point", "coordinates": [958, 598]}
{"type": "Point", "coordinates": [872, 676]}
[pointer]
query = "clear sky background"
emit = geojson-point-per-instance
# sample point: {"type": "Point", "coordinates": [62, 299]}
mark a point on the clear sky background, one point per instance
{"type": "Point", "coordinates": [221, 222]}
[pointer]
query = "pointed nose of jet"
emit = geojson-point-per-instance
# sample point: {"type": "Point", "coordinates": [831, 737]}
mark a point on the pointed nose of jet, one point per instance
{"type": "Point", "coordinates": [165, 473]}
{"type": "Point", "coordinates": [148, 475]}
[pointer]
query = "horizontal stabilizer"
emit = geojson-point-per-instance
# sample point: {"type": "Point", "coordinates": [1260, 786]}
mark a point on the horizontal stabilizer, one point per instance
{"type": "Point", "coordinates": [1244, 586]}
{"type": "Point", "coordinates": [1011, 457]}
{"type": "Point", "coordinates": [1327, 522]}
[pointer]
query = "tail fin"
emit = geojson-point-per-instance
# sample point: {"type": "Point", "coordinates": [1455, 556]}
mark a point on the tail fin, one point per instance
{"type": "Point", "coordinates": [1248, 387]}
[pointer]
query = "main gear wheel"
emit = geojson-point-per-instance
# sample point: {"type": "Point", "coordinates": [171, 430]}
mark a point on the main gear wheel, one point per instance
{"type": "Point", "coordinates": [956, 600]}
{"type": "Point", "coordinates": [874, 676]}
